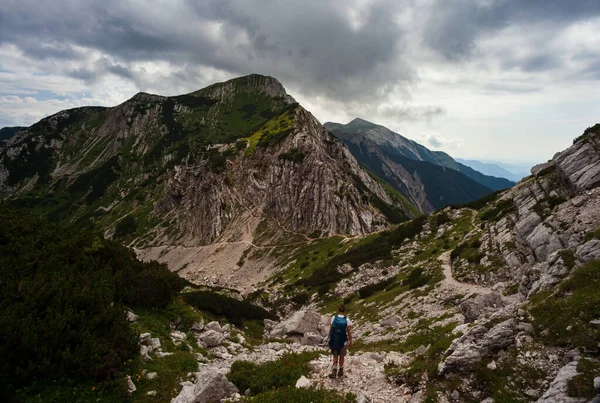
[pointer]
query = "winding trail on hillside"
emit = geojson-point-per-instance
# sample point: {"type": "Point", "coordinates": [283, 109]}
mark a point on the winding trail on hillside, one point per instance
{"type": "Point", "coordinates": [450, 282]}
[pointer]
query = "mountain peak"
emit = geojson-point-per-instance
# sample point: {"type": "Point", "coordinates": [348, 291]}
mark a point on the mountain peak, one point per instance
{"type": "Point", "coordinates": [361, 123]}
{"type": "Point", "coordinates": [250, 84]}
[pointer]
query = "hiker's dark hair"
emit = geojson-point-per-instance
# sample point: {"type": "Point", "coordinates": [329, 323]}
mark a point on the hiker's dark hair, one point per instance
{"type": "Point", "coordinates": [342, 308]}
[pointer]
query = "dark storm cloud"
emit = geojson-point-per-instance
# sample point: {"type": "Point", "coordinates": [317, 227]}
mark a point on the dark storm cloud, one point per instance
{"type": "Point", "coordinates": [454, 29]}
{"type": "Point", "coordinates": [411, 113]}
{"type": "Point", "coordinates": [305, 43]}
{"type": "Point", "coordinates": [316, 47]}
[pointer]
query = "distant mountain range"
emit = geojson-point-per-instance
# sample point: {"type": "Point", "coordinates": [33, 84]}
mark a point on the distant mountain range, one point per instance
{"type": "Point", "coordinates": [429, 179]}
{"type": "Point", "coordinates": [501, 170]}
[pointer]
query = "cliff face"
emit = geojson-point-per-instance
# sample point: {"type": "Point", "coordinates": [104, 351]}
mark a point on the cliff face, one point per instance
{"type": "Point", "coordinates": [216, 164]}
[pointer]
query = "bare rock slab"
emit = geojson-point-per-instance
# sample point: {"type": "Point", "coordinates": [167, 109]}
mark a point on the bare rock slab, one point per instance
{"type": "Point", "coordinates": [210, 386]}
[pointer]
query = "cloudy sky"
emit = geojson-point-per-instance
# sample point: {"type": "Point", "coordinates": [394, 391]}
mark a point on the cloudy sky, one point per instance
{"type": "Point", "coordinates": [505, 80]}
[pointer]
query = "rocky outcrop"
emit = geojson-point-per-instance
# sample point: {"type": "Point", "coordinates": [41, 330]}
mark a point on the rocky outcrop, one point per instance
{"type": "Point", "coordinates": [480, 342]}
{"type": "Point", "coordinates": [210, 386]}
{"type": "Point", "coordinates": [557, 392]}
{"type": "Point", "coordinates": [472, 309]}
{"type": "Point", "coordinates": [307, 327]}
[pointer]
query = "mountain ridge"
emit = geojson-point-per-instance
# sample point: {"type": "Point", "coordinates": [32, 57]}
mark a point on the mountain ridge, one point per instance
{"type": "Point", "coordinates": [237, 163]}
{"type": "Point", "coordinates": [360, 128]}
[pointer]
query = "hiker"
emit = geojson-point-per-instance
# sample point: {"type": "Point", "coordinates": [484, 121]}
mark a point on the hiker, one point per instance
{"type": "Point", "coordinates": [340, 339]}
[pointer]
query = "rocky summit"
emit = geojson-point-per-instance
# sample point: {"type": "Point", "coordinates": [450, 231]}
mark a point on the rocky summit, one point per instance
{"type": "Point", "coordinates": [273, 223]}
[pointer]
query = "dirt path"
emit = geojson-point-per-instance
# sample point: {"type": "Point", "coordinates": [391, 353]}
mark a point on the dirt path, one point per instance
{"type": "Point", "coordinates": [451, 283]}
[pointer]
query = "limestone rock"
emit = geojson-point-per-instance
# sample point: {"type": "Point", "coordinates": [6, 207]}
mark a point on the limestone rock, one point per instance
{"type": "Point", "coordinates": [144, 350]}
{"type": "Point", "coordinates": [303, 382]}
{"type": "Point", "coordinates": [213, 326]}
{"type": "Point", "coordinates": [390, 321]}
{"type": "Point", "coordinates": [472, 309]}
{"type": "Point", "coordinates": [312, 339]}
{"type": "Point", "coordinates": [210, 386]}
{"type": "Point", "coordinates": [588, 252]}
{"type": "Point", "coordinates": [557, 392]}
{"type": "Point", "coordinates": [535, 170]}
{"type": "Point", "coordinates": [198, 326]}
{"type": "Point", "coordinates": [178, 337]}
{"type": "Point", "coordinates": [151, 375]}
{"type": "Point", "coordinates": [130, 385]}
{"type": "Point", "coordinates": [132, 317]}
{"type": "Point", "coordinates": [211, 338]}
{"type": "Point", "coordinates": [299, 323]}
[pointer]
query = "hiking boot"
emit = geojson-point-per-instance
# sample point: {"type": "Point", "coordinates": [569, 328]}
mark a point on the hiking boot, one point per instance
{"type": "Point", "coordinates": [340, 372]}
{"type": "Point", "coordinates": [333, 373]}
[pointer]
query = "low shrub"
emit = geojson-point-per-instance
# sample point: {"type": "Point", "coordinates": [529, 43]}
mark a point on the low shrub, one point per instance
{"type": "Point", "coordinates": [369, 290]}
{"type": "Point", "coordinates": [294, 155]}
{"type": "Point", "coordinates": [126, 226]}
{"type": "Point", "coordinates": [291, 394]}
{"type": "Point", "coordinates": [582, 385]}
{"type": "Point", "coordinates": [377, 248]}
{"type": "Point", "coordinates": [301, 298]}
{"type": "Point", "coordinates": [479, 203]}
{"type": "Point", "coordinates": [501, 209]}
{"type": "Point", "coordinates": [261, 378]}
{"type": "Point", "coordinates": [572, 307]}
{"type": "Point", "coordinates": [416, 279]}
{"type": "Point", "coordinates": [63, 293]}
{"type": "Point", "coordinates": [235, 311]}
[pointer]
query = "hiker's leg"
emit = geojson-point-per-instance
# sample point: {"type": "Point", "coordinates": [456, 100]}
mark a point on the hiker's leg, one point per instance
{"type": "Point", "coordinates": [341, 361]}
{"type": "Point", "coordinates": [333, 373]}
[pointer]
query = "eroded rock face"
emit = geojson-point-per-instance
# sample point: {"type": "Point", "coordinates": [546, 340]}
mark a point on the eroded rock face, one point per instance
{"type": "Point", "coordinates": [557, 392]}
{"type": "Point", "coordinates": [299, 324]}
{"type": "Point", "coordinates": [472, 309]}
{"type": "Point", "coordinates": [478, 343]}
{"type": "Point", "coordinates": [543, 235]}
{"type": "Point", "coordinates": [210, 386]}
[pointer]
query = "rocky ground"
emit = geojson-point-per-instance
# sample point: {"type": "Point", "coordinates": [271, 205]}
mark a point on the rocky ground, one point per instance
{"type": "Point", "coordinates": [451, 314]}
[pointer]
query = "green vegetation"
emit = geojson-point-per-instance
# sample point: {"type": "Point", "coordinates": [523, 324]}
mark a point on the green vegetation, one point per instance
{"type": "Point", "coordinates": [582, 385]}
{"type": "Point", "coordinates": [237, 312]}
{"type": "Point", "coordinates": [377, 247]}
{"type": "Point", "coordinates": [278, 374]}
{"type": "Point", "coordinates": [572, 307]}
{"type": "Point", "coordinates": [63, 294]}
{"type": "Point", "coordinates": [369, 290]}
{"type": "Point", "coordinates": [479, 203]}
{"type": "Point", "coordinates": [273, 131]}
{"type": "Point", "coordinates": [468, 250]}
{"type": "Point", "coordinates": [588, 132]}
{"type": "Point", "coordinates": [547, 171]}
{"type": "Point", "coordinates": [398, 198]}
{"type": "Point", "coordinates": [438, 339]}
{"type": "Point", "coordinates": [126, 226]}
{"type": "Point", "coordinates": [291, 394]}
{"type": "Point", "coordinates": [592, 235]}
{"type": "Point", "coordinates": [499, 210]}
{"type": "Point", "coordinates": [294, 155]}
{"type": "Point", "coordinates": [511, 379]}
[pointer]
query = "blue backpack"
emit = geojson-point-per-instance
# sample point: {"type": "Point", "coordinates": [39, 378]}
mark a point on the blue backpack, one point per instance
{"type": "Point", "coordinates": [338, 336]}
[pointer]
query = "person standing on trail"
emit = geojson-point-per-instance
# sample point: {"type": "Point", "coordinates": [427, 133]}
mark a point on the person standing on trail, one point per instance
{"type": "Point", "coordinates": [340, 339]}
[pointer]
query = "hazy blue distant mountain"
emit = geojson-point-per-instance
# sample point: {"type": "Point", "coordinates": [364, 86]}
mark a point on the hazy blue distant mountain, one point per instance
{"type": "Point", "coordinates": [494, 169]}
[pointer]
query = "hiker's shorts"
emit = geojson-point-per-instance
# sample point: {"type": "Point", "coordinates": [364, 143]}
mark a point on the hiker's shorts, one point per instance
{"type": "Point", "coordinates": [339, 351]}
